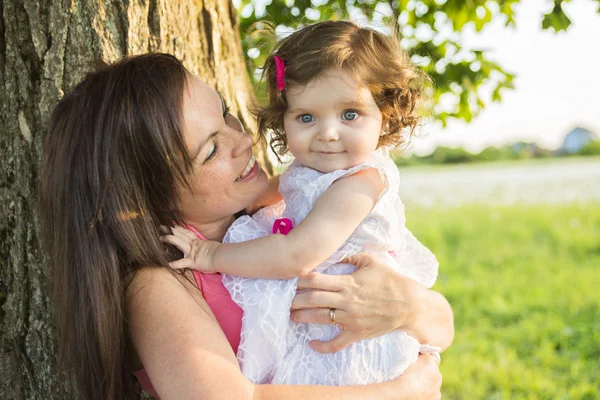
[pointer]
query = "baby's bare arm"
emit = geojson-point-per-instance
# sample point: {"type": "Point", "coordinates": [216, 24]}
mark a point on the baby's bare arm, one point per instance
{"type": "Point", "coordinates": [332, 220]}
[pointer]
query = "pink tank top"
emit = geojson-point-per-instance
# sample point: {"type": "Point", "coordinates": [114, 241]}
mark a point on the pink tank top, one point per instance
{"type": "Point", "coordinates": [227, 313]}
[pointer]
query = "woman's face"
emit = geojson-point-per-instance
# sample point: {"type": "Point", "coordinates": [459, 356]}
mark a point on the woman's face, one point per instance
{"type": "Point", "coordinates": [225, 178]}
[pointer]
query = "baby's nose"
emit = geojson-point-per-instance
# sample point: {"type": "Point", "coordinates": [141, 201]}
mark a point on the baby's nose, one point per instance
{"type": "Point", "coordinates": [328, 133]}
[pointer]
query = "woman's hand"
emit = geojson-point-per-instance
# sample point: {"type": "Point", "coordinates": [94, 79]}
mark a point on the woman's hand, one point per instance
{"type": "Point", "coordinates": [368, 303]}
{"type": "Point", "coordinates": [372, 301]}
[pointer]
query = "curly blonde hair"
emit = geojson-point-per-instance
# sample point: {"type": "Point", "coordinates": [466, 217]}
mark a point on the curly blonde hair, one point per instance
{"type": "Point", "coordinates": [374, 59]}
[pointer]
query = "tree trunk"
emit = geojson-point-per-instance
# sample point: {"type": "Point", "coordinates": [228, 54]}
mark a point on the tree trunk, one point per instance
{"type": "Point", "coordinates": [46, 47]}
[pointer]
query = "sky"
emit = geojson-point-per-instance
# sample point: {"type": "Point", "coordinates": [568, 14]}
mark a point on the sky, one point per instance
{"type": "Point", "coordinates": [557, 81]}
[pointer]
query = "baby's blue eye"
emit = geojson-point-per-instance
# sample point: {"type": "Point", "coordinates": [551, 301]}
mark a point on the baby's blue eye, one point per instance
{"type": "Point", "coordinates": [350, 115]}
{"type": "Point", "coordinates": [306, 118]}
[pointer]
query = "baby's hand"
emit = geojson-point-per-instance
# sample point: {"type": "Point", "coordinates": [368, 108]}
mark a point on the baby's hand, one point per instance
{"type": "Point", "coordinates": [197, 254]}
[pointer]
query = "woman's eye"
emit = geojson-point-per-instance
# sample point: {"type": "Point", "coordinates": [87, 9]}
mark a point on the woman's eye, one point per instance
{"type": "Point", "coordinates": [306, 118]}
{"type": "Point", "coordinates": [350, 115]}
{"type": "Point", "coordinates": [212, 154]}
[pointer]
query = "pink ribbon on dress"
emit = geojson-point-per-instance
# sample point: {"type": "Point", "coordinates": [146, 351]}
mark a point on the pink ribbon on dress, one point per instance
{"type": "Point", "coordinates": [283, 226]}
{"type": "Point", "coordinates": [280, 72]}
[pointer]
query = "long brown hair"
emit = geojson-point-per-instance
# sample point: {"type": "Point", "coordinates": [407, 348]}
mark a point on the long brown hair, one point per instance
{"type": "Point", "coordinates": [371, 58]}
{"type": "Point", "coordinates": [113, 159]}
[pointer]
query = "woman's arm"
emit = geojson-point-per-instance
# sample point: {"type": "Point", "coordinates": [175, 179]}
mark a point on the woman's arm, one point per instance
{"type": "Point", "coordinates": [334, 217]}
{"type": "Point", "coordinates": [187, 356]}
{"type": "Point", "coordinates": [373, 301]}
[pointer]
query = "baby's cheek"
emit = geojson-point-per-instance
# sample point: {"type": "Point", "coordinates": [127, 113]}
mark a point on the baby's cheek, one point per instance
{"type": "Point", "coordinates": [364, 144]}
{"type": "Point", "coordinates": [296, 145]}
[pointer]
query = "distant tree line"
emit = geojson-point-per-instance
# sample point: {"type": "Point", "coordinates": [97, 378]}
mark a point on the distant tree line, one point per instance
{"type": "Point", "coordinates": [517, 151]}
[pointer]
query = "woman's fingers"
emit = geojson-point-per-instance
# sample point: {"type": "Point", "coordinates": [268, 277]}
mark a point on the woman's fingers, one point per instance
{"type": "Point", "coordinates": [318, 316]}
{"type": "Point", "coordinates": [340, 342]}
{"type": "Point", "coordinates": [178, 242]}
{"type": "Point", "coordinates": [318, 299]}
{"type": "Point", "coordinates": [314, 280]}
{"type": "Point", "coordinates": [360, 260]}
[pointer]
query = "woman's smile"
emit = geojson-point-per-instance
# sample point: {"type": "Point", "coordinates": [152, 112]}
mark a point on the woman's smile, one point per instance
{"type": "Point", "coordinates": [250, 171]}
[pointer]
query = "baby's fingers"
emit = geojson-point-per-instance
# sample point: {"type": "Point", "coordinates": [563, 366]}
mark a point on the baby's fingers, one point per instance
{"type": "Point", "coordinates": [180, 243]}
{"type": "Point", "coordinates": [183, 263]}
{"type": "Point", "coordinates": [184, 232]}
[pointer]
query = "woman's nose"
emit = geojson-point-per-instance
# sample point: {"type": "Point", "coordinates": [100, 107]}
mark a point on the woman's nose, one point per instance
{"type": "Point", "coordinates": [241, 143]}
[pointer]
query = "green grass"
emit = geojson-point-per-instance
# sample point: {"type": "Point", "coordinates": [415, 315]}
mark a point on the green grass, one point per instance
{"type": "Point", "coordinates": [524, 284]}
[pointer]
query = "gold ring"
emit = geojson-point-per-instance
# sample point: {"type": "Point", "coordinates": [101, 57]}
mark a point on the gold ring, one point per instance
{"type": "Point", "coordinates": [332, 315]}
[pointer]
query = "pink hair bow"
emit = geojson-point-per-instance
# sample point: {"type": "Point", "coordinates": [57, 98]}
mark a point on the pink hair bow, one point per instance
{"type": "Point", "coordinates": [280, 72]}
{"type": "Point", "coordinates": [282, 225]}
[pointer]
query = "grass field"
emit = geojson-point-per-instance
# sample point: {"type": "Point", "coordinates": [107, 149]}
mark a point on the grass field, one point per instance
{"type": "Point", "coordinates": [524, 284]}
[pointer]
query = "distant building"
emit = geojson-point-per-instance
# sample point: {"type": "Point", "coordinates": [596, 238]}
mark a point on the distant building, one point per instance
{"type": "Point", "coordinates": [575, 140]}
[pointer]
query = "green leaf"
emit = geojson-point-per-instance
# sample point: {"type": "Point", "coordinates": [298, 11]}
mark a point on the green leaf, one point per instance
{"type": "Point", "coordinates": [556, 19]}
{"type": "Point", "coordinates": [455, 16]}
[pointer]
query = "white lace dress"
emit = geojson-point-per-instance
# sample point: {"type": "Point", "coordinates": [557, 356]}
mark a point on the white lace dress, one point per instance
{"type": "Point", "coordinates": [274, 349]}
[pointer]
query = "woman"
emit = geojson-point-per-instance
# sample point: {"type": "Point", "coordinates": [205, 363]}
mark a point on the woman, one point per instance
{"type": "Point", "coordinates": [143, 143]}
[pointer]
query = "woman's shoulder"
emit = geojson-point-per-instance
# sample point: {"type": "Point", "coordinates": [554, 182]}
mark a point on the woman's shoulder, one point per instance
{"type": "Point", "coordinates": [160, 282]}
{"type": "Point", "coordinates": [155, 275]}
{"type": "Point", "coordinates": [157, 298]}
{"type": "Point", "coordinates": [171, 328]}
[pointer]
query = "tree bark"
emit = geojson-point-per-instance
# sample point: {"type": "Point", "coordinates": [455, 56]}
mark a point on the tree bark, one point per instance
{"type": "Point", "coordinates": [46, 47]}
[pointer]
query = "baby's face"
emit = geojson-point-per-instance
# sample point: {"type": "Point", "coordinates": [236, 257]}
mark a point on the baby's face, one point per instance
{"type": "Point", "coordinates": [331, 123]}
